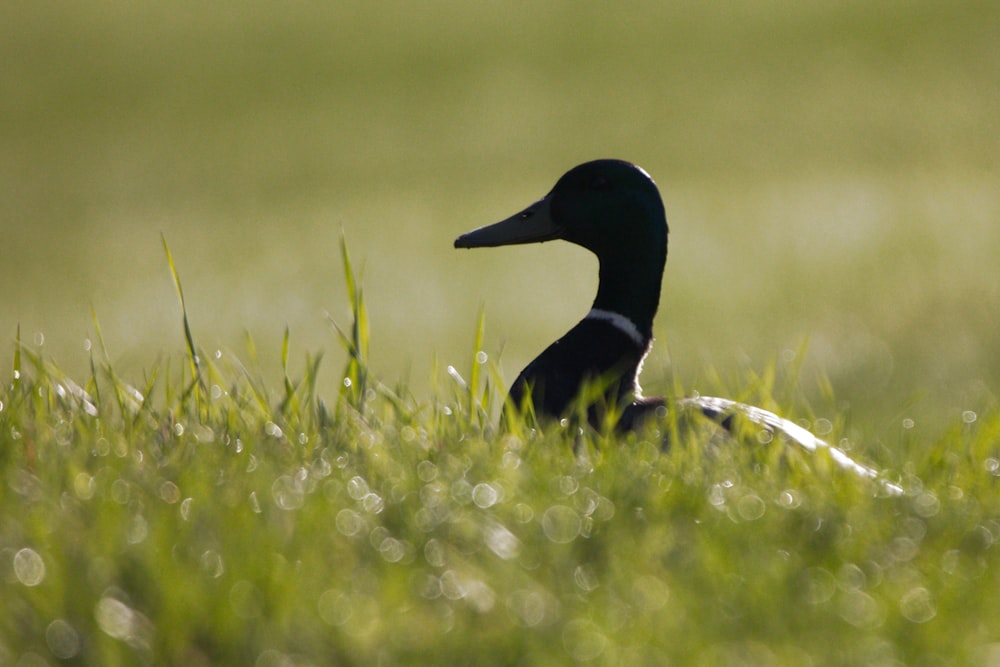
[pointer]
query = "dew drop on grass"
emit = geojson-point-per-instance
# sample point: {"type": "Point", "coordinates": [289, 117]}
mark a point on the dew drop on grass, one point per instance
{"type": "Point", "coordinates": [62, 639]}
{"type": "Point", "coordinates": [586, 501]}
{"type": "Point", "coordinates": [510, 460]}
{"type": "Point", "coordinates": [349, 522]}
{"type": "Point", "coordinates": [373, 503]}
{"type": "Point", "coordinates": [274, 658]}
{"type": "Point", "coordinates": [818, 586]}
{"type": "Point", "coordinates": [203, 433]}
{"type": "Point", "coordinates": [428, 586]}
{"type": "Point", "coordinates": [170, 493]}
{"type": "Point", "coordinates": [84, 486]}
{"type": "Point", "coordinates": [273, 430]}
{"type": "Point", "coordinates": [357, 488]}
{"type": "Point", "coordinates": [29, 568]}
{"type": "Point", "coordinates": [120, 621]}
{"type": "Point", "coordinates": [433, 495]}
{"type": "Point", "coordinates": [904, 549]}
{"type": "Point", "coordinates": [451, 585]}
{"type": "Point", "coordinates": [568, 485]}
{"type": "Point", "coordinates": [523, 512]}
{"type": "Point", "coordinates": [561, 524]}
{"type": "Point", "coordinates": [750, 507]}
{"type": "Point", "coordinates": [502, 542]}
{"type": "Point", "coordinates": [789, 499]}
{"type": "Point", "coordinates": [120, 491]}
{"type": "Point", "coordinates": [530, 608]}
{"type": "Point", "coordinates": [585, 579]}
{"type": "Point", "coordinates": [334, 607]}
{"type": "Point", "coordinates": [917, 605]}
{"type": "Point", "coordinates": [321, 468]}
{"type": "Point", "coordinates": [138, 530]}
{"type": "Point", "coordinates": [254, 503]}
{"type": "Point", "coordinates": [823, 427]}
{"type": "Point", "coordinates": [114, 617]}
{"type": "Point", "coordinates": [650, 593]}
{"type": "Point", "coordinates": [244, 598]}
{"type": "Point", "coordinates": [425, 520]}
{"type": "Point", "coordinates": [850, 577]}
{"type": "Point", "coordinates": [211, 564]}
{"type": "Point", "coordinates": [583, 640]}
{"type": "Point", "coordinates": [716, 496]}
{"type": "Point", "coordinates": [461, 492]}
{"type": "Point", "coordinates": [480, 596]}
{"type": "Point", "coordinates": [392, 550]}
{"type": "Point", "coordinates": [426, 471]}
{"type": "Point", "coordinates": [485, 495]}
{"type": "Point", "coordinates": [434, 553]}
{"type": "Point", "coordinates": [288, 493]}
{"type": "Point", "coordinates": [859, 609]}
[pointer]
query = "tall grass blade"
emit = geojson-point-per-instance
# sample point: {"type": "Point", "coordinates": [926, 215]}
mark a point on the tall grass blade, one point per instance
{"type": "Point", "coordinates": [475, 397]}
{"type": "Point", "coordinates": [193, 360]}
{"type": "Point", "coordinates": [16, 369]}
{"type": "Point", "coordinates": [355, 382]}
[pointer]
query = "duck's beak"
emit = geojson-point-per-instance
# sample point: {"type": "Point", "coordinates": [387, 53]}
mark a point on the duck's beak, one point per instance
{"type": "Point", "coordinates": [532, 225]}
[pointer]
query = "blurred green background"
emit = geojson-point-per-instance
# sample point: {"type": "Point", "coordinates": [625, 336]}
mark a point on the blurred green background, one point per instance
{"type": "Point", "coordinates": [830, 173]}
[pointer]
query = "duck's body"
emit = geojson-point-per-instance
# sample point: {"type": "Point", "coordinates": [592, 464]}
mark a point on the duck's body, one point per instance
{"type": "Point", "coordinates": [614, 209]}
{"type": "Point", "coordinates": [597, 350]}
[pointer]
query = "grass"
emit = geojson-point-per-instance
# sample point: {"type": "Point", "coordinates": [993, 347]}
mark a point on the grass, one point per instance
{"type": "Point", "coordinates": [208, 517]}
{"type": "Point", "coordinates": [828, 171]}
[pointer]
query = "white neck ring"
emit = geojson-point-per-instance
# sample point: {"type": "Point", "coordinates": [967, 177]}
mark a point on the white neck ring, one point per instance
{"type": "Point", "coordinates": [620, 322]}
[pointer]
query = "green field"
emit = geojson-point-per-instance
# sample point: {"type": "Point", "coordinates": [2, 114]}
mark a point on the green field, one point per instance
{"type": "Point", "coordinates": [830, 175]}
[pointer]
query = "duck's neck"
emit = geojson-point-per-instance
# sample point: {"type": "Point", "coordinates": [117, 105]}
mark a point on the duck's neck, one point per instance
{"type": "Point", "coordinates": [630, 286]}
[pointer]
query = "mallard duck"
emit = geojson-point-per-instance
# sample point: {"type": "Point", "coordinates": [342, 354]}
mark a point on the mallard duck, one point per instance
{"type": "Point", "coordinates": [614, 209]}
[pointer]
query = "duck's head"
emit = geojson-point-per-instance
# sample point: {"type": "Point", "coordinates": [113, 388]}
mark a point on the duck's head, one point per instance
{"type": "Point", "coordinates": [606, 206]}
{"type": "Point", "coordinates": [611, 207]}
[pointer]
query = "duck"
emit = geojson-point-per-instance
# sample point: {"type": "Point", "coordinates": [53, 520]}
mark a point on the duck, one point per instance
{"type": "Point", "coordinates": [613, 208]}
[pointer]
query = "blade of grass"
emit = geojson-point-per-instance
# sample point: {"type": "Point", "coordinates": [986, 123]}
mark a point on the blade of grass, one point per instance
{"type": "Point", "coordinates": [16, 370]}
{"type": "Point", "coordinates": [356, 371]}
{"type": "Point", "coordinates": [193, 359]}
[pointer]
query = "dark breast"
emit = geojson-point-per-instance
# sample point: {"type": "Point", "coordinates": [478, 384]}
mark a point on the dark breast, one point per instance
{"type": "Point", "coordinates": [592, 351]}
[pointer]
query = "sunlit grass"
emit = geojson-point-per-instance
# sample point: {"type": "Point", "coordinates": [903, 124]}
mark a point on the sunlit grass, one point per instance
{"type": "Point", "coordinates": [208, 516]}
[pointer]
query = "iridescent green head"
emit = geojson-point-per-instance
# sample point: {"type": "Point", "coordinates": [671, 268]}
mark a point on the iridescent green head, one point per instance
{"type": "Point", "coordinates": [611, 207]}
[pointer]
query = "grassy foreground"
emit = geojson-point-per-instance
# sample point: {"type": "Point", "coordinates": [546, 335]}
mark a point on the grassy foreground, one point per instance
{"type": "Point", "coordinates": [207, 518]}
